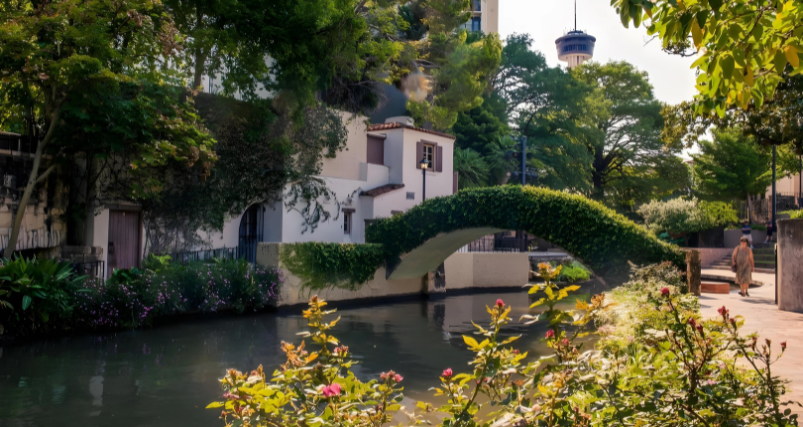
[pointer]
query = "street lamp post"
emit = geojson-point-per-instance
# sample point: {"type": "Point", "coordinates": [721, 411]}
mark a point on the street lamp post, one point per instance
{"type": "Point", "coordinates": [424, 164]}
{"type": "Point", "coordinates": [523, 160]}
{"type": "Point", "coordinates": [773, 187]}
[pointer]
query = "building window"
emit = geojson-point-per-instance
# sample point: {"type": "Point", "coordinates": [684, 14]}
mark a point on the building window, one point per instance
{"type": "Point", "coordinates": [477, 5]}
{"type": "Point", "coordinates": [346, 222]}
{"type": "Point", "coordinates": [429, 154]}
{"type": "Point", "coordinates": [476, 24]}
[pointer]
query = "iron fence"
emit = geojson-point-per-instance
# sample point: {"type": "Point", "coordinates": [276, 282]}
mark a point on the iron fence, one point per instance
{"type": "Point", "coordinates": [206, 255]}
{"type": "Point", "coordinates": [91, 269]}
{"type": "Point", "coordinates": [22, 144]}
{"type": "Point", "coordinates": [497, 243]}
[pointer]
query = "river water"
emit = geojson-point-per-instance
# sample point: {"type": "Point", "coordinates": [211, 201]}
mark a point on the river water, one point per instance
{"type": "Point", "coordinates": [166, 376]}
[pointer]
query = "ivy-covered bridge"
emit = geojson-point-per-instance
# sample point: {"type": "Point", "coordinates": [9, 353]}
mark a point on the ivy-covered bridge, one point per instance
{"type": "Point", "coordinates": [418, 241]}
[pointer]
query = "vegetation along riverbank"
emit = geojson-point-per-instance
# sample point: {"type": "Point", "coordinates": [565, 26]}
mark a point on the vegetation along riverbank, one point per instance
{"type": "Point", "coordinates": [657, 362]}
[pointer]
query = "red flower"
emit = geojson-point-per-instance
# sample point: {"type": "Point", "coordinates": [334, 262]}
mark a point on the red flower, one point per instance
{"type": "Point", "coordinates": [550, 334]}
{"type": "Point", "coordinates": [331, 390]}
{"type": "Point", "coordinates": [665, 291]}
{"type": "Point", "coordinates": [692, 322]}
{"type": "Point", "coordinates": [500, 303]}
{"type": "Point", "coordinates": [783, 346]}
{"type": "Point", "coordinates": [447, 373]}
{"type": "Point", "coordinates": [722, 311]}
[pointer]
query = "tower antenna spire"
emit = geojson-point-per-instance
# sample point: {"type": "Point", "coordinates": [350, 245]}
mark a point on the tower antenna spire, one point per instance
{"type": "Point", "coordinates": [575, 15]}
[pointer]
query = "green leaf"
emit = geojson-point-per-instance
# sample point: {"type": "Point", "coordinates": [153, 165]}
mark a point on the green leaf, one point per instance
{"type": "Point", "coordinates": [215, 405]}
{"type": "Point", "coordinates": [26, 302]}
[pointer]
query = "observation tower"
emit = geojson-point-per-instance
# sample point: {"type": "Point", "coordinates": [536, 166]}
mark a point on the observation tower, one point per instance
{"type": "Point", "coordinates": [575, 47]}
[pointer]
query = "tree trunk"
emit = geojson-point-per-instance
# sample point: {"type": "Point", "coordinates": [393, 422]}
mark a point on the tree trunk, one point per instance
{"type": "Point", "coordinates": [596, 174]}
{"type": "Point", "coordinates": [749, 209]}
{"type": "Point", "coordinates": [200, 55]}
{"type": "Point", "coordinates": [33, 179]}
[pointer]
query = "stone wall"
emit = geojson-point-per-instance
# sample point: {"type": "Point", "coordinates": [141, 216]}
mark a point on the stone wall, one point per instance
{"type": "Point", "coordinates": [710, 256]}
{"type": "Point", "coordinates": [293, 294]}
{"type": "Point", "coordinates": [487, 270]}
{"type": "Point", "coordinates": [462, 270]}
{"type": "Point", "coordinates": [790, 265]}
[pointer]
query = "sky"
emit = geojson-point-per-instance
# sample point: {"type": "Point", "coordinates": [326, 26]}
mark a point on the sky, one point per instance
{"type": "Point", "coordinates": [546, 20]}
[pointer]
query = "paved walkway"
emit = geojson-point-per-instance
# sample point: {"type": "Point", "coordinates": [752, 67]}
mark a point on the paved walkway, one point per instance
{"type": "Point", "coordinates": [762, 316]}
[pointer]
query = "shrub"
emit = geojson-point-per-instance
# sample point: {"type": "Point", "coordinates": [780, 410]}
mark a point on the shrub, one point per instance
{"type": "Point", "coordinates": [797, 214]}
{"type": "Point", "coordinates": [673, 216]}
{"type": "Point", "coordinates": [718, 214]}
{"type": "Point", "coordinates": [136, 297]}
{"type": "Point", "coordinates": [323, 265]}
{"type": "Point", "coordinates": [573, 272]}
{"type": "Point", "coordinates": [678, 371]}
{"type": "Point", "coordinates": [36, 295]}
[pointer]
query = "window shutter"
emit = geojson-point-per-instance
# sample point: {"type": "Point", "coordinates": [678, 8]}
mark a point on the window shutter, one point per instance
{"type": "Point", "coordinates": [419, 154]}
{"type": "Point", "coordinates": [454, 183]}
{"type": "Point", "coordinates": [439, 159]}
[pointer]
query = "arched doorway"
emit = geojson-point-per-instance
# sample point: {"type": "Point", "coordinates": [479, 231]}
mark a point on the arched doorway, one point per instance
{"type": "Point", "coordinates": [251, 226]}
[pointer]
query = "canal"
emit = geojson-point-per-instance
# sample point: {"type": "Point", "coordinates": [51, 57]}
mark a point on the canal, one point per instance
{"type": "Point", "coordinates": [166, 376]}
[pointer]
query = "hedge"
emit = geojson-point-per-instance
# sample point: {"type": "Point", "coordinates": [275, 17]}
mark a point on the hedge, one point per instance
{"type": "Point", "coordinates": [324, 265]}
{"type": "Point", "coordinates": [585, 228]}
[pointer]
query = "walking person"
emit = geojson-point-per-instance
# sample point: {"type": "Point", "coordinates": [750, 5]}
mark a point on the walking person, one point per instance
{"type": "Point", "coordinates": [770, 230]}
{"type": "Point", "coordinates": [748, 233]}
{"type": "Point", "coordinates": [743, 266]}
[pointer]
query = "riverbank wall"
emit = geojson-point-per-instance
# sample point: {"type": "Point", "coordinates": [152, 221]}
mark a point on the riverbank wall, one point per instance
{"type": "Point", "coordinates": [460, 271]}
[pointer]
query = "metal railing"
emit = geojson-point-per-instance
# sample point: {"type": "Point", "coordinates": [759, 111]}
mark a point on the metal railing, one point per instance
{"type": "Point", "coordinates": [92, 269]}
{"type": "Point", "coordinates": [494, 243]}
{"type": "Point", "coordinates": [21, 144]}
{"type": "Point", "coordinates": [206, 255]}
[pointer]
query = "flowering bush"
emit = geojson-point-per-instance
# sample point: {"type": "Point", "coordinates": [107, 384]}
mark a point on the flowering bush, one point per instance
{"type": "Point", "coordinates": [673, 216]}
{"type": "Point", "coordinates": [681, 371]}
{"type": "Point", "coordinates": [136, 297]}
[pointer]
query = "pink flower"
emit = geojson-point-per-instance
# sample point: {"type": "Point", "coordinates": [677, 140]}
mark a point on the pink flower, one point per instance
{"type": "Point", "coordinates": [550, 334]}
{"type": "Point", "coordinates": [398, 378]}
{"type": "Point", "coordinates": [565, 341]}
{"type": "Point", "coordinates": [500, 303]}
{"type": "Point", "coordinates": [665, 292]}
{"type": "Point", "coordinates": [331, 390]}
{"type": "Point", "coordinates": [447, 373]}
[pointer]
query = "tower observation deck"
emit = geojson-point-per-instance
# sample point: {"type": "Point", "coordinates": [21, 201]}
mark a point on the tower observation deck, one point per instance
{"type": "Point", "coordinates": [575, 47]}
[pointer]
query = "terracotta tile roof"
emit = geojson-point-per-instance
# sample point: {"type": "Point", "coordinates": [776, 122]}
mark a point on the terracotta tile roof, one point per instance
{"type": "Point", "coordinates": [378, 191]}
{"type": "Point", "coordinates": [397, 125]}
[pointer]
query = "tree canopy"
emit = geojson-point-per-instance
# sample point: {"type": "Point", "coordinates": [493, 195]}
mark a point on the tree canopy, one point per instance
{"type": "Point", "coordinates": [732, 166]}
{"type": "Point", "coordinates": [630, 162]}
{"type": "Point", "coordinates": [744, 46]}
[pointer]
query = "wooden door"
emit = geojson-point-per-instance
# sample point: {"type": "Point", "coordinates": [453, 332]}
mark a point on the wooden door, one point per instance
{"type": "Point", "coordinates": [124, 240]}
{"type": "Point", "coordinates": [251, 226]}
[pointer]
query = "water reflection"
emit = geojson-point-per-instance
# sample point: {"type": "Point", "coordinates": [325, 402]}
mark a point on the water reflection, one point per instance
{"type": "Point", "coordinates": [166, 376]}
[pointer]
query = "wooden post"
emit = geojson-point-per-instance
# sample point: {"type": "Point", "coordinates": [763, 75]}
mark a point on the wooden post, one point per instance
{"type": "Point", "coordinates": [693, 271]}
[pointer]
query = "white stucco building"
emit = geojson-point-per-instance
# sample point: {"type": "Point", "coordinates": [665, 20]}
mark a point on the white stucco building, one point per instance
{"type": "Point", "coordinates": [377, 175]}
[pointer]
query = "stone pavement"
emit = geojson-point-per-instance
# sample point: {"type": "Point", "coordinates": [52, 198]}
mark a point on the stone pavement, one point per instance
{"type": "Point", "coordinates": [762, 316]}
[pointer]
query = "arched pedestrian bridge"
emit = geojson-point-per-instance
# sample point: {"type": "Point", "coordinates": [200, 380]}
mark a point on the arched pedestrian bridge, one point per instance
{"type": "Point", "coordinates": [419, 240]}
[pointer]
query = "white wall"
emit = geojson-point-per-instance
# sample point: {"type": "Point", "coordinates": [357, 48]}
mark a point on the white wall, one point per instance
{"type": "Point", "coordinates": [438, 183]}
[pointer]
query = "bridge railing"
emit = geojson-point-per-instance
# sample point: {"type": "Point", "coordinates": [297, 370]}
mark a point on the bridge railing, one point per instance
{"type": "Point", "coordinates": [496, 243]}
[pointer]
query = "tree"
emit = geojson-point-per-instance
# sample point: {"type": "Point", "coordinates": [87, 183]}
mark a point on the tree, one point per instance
{"type": "Point", "coordinates": [95, 67]}
{"type": "Point", "coordinates": [480, 127]}
{"type": "Point", "coordinates": [545, 104]}
{"type": "Point", "coordinates": [472, 170]}
{"type": "Point", "coordinates": [744, 46]}
{"type": "Point", "coordinates": [630, 162]}
{"type": "Point", "coordinates": [732, 166]}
